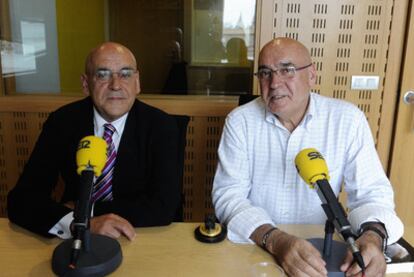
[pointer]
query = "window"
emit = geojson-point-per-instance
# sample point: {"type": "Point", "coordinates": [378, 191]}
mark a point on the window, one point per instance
{"type": "Point", "coordinates": [182, 46]}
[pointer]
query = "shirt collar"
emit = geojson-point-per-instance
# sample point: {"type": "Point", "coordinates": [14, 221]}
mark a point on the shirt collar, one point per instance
{"type": "Point", "coordinates": [99, 122]}
{"type": "Point", "coordinates": [310, 113]}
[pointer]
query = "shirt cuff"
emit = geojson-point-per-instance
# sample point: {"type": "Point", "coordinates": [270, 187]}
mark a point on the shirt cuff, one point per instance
{"type": "Point", "coordinates": [372, 212]}
{"type": "Point", "coordinates": [244, 224]}
{"type": "Point", "coordinates": [62, 228]}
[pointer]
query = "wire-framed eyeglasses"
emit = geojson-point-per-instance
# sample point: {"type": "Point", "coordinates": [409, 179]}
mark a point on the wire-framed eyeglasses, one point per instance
{"type": "Point", "coordinates": [106, 75]}
{"type": "Point", "coordinates": [285, 72]}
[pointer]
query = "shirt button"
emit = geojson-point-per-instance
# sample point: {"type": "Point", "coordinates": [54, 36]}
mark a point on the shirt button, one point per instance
{"type": "Point", "coordinates": [60, 232]}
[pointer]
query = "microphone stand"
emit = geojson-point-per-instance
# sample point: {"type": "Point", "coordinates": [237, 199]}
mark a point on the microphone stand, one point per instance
{"type": "Point", "coordinates": [333, 252]}
{"type": "Point", "coordinates": [86, 254]}
{"type": "Point", "coordinates": [327, 243]}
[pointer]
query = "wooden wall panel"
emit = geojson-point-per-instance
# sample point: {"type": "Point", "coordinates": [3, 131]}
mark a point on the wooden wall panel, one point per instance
{"type": "Point", "coordinates": [203, 136]}
{"type": "Point", "coordinates": [345, 38]}
{"type": "Point", "coordinates": [18, 134]}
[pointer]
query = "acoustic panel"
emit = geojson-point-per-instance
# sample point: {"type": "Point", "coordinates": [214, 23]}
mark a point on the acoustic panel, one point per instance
{"type": "Point", "coordinates": [18, 133]}
{"type": "Point", "coordinates": [203, 136]}
{"type": "Point", "coordinates": [345, 38]}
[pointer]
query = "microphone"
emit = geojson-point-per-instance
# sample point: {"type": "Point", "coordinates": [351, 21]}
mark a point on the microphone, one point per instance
{"type": "Point", "coordinates": [87, 254]}
{"type": "Point", "coordinates": [312, 167]}
{"type": "Point", "coordinates": [90, 160]}
{"type": "Point", "coordinates": [91, 154]}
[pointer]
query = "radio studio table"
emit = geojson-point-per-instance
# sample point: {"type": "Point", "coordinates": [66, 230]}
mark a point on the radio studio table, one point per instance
{"type": "Point", "coordinates": [156, 251]}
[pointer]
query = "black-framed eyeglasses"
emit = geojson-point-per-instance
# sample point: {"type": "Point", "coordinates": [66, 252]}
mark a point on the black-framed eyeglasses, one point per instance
{"type": "Point", "coordinates": [285, 72]}
{"type": "Point", "coordinates": [106, 75]}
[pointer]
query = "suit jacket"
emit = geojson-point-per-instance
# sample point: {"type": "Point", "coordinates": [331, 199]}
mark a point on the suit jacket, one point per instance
{"type": "Point", "coordinates": [145, 183]}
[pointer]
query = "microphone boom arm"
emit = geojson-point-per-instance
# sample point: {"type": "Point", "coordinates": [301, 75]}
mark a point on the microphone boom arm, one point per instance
{"type": "Point", "coordinates": [336, 214]}
{"type": "Point", "coordinates": [333, 209]}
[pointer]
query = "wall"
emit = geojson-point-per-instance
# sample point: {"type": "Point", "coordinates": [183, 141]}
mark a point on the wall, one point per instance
{"type": "Point", "coordinates": [81, 26]}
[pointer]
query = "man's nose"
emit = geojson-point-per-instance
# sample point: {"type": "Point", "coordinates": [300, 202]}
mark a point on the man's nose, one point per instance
{"type": "Point", "coordinates": [115, 81]}
{"type": "Point", "coordinates": [275, 80]}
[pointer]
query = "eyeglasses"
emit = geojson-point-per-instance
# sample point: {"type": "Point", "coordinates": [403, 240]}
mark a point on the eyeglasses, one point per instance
{"type": "Point", "coordinates": [106, 75]}
{"type": "Point", "coordinates": [284, 72]}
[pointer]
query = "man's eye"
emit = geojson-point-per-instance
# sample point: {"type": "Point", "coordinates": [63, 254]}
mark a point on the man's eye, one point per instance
{"type": "Point", "coordinates": [125, 74]}
{"type": "Point", "coordinates": [265, 73]}
{"type": "Point", "coordinates": [285, 71]}
{"type": "Point", "coordinates": [291, 70]}
{"type": "Point", "coordinates": [102, 75]}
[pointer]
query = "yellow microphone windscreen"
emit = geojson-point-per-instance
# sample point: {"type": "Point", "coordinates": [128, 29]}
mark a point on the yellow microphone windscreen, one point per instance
{"type": "Point", "coordinates": [91, 154]}
{"type": "Point", "coordinates": [311, 166]}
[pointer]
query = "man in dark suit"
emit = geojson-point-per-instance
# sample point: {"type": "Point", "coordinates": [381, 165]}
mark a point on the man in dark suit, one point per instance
{"type": "Point", "coordinates": [144, 188]}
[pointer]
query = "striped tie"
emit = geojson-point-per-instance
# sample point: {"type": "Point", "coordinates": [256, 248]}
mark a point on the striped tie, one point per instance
{"type": "Point", "coordinates": [102, 190]}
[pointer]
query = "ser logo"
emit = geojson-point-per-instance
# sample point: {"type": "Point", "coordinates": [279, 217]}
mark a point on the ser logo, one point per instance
{"type": "Point", "coordinates": [84, 144]}
{"type": "Point", "coordinates": [315, 155]}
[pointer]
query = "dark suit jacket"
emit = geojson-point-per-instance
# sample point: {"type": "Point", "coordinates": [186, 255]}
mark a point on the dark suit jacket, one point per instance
{"type": "Point", "coordinates": [145, 184]}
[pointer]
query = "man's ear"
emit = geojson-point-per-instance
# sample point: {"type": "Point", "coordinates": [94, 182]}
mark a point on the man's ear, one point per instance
{"type": "Point", "coordinates": [85, 85]}
{"type": "Point", "coordinates": [138, 84]}
{"type": "Point", "coordinates": [312, 75]}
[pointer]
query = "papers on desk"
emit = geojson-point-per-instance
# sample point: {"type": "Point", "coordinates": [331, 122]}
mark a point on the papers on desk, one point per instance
{"type": "Point", "coordinates": [400, 257]}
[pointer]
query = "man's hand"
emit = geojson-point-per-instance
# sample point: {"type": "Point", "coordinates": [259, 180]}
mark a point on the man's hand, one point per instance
{"type": "Point", "coordinates": [370, 246]}
{"type": "Point", "coordinates": [297, 256]}
{"type": "Point", "coordinates": [112, 225]}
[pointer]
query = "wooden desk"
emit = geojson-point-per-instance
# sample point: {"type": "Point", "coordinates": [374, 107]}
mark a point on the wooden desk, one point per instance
{"type": "Point", "coordinates": [160, 251]}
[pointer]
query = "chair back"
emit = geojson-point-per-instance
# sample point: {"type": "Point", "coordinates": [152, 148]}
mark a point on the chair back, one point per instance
{"type": "Point", "coordinates": [182, 123]}
{"type": "Point", "coordinates": [245, 98]}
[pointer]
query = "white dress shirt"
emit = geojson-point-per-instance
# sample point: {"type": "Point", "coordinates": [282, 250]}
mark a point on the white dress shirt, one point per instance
{"type": "Point", "coordinates": [62, 228]}
{"type": "Point", "coordinates": [256, 181]}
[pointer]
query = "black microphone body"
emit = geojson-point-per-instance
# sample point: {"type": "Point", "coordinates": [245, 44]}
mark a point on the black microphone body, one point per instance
{"type": "Point", "coordinates": [81, 215]}
{"type": "Point", "coordinates": [336, 214]}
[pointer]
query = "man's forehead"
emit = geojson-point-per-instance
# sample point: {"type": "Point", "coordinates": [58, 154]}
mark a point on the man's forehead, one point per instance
{"type": "Point", "coordinates": [282, 58]}
{"type": "Point", "coordinates": [283, 53]}
{"type": "Point", "coordinates": [110, 56]}
{"type": "Point", "coordinates": [113, 61]}
{"type": "Point", "coordinates": [110, 53]}
{"type": "Point", "coordinates": [279, 64]}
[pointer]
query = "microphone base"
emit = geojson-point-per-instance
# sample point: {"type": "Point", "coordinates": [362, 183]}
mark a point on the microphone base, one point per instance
{"type": "Point", "coordinates": [104, 257]}
{"type": "Point", "coordinates": [210, 239]}
{"type": "Point", "coordinates": [335, 260]}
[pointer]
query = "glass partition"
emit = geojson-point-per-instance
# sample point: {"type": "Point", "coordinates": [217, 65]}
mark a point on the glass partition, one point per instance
{"type": "Point", "coordinates": [30, 57]}
{"type": "Point", "coordinates": [222, 46]}
{"type": "Point", "coordinates": [182, 46]}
